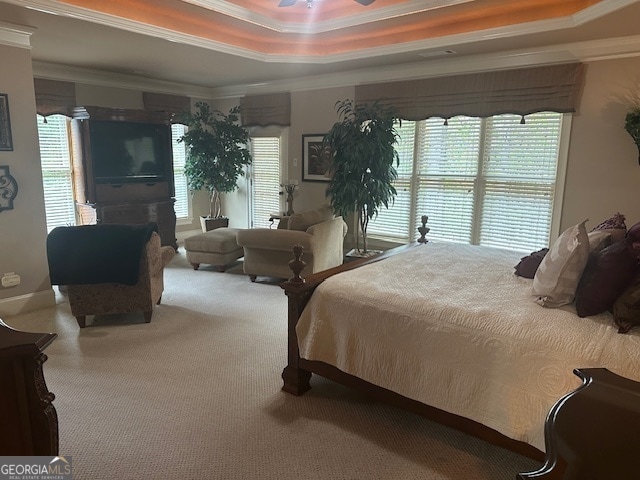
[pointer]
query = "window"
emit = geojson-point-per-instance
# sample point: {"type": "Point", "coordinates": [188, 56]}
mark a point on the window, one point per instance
{"type": "Point", "coordinates": [57, 178]}
{"type": "Point", "coordinates": [481, 181]}
{"type": "Point", "coordinates": [264, 180]}
{"type": "Point", "coordinates": [179, 180]}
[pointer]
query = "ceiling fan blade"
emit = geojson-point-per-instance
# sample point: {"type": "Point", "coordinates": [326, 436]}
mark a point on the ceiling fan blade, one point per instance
{"type": "Point", "coordinates": [365, 2]}
{"type": "Point", "coordinates": [286, 3]}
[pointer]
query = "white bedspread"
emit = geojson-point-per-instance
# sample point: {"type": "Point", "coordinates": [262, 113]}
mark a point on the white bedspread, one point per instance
{"type": "Point", "coordinates": [452, 326]}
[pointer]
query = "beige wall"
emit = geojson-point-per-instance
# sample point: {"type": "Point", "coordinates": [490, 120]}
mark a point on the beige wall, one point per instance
{"type": "Point", "coordinates": [23, 229]}
{"type": "Point", "coordinates": [603, 175]}
{"type": "Point", "coordinates": [602, 170]}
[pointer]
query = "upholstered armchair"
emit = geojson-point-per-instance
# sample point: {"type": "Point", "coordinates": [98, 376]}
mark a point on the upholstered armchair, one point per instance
{"type": "Point", "coordinates": [118, 278]}
{"type": "Point", "coordinates": [267, 252]}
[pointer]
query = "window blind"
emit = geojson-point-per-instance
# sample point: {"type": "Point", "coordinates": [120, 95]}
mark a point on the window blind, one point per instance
{"type": "Point", "coordinates": [265, 180]}
{"type": "Point", "coordinates": [518, 181]}
{"type": "Point", "coordinates": [179, 179]}
{"type": "Point", "coordinates": [56, 171]}
{"type": "Point", "coordinates": [265, 110]}
{"type": "Point", "coordinates": [394, 224]}
{"type": "Point", "coordinates": [54, 97]}
{"type": "Point", "coordinates": [522, 91]}
{"type": "Point", "coordinates": [481, 181]}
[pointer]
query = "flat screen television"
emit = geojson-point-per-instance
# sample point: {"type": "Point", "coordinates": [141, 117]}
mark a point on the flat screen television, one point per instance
{"type": "Point", "coordinates": [126, 152]}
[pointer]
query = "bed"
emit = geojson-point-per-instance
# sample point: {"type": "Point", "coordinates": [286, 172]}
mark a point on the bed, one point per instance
{"type": "Point", "coordinates": [448, 331]}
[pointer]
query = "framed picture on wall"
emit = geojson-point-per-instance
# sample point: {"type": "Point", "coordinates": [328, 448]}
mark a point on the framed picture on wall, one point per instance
{"type": "Point", "coordinates": [5, 124]}
{"type": "Point", "coordinates": [316, 158]}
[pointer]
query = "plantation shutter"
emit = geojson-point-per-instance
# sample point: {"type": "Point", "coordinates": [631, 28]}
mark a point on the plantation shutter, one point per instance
{"type": "Point", "coordinates": [518, 180]}
{"type": "Point", "coordinates": [446, 171]}
{"type": "Point", "coordinates": [179, 179]}
{"type": "Point", "coordinates": [56, 171]}
{"type": "Point", "coordinates": [265, 180]}
{"type": "Point", "coordinates": [393, 224]}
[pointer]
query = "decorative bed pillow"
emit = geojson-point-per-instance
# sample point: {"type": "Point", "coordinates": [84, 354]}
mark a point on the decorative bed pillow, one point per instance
{"type": "Point", "coordinates": [615, 226]}
{"type": "Point", "coordinates": [529, 265]}
{"type": "Point", "coordinates": [303, 220]}
{"type": "Point", "coordinates": [634, 235]}
{"type": "Point", "coordinates": [599, 240]}
{"type": "Point", "coordinates": [558, 275]}
{"type": "Point", "coordinates": [626, 309]}
{"type": "Point", "coordinates": [607, 274]}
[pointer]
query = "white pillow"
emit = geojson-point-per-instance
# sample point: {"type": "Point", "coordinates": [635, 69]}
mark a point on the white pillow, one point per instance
{"type": "Point", "coordinates": [558, 275]}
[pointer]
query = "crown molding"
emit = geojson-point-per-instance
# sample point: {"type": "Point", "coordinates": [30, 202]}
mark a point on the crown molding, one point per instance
{"type": "Point", "coordinates": [15, 35]}
{"type": "Point", "coordinates": [589, 51]}
{"type": "Point", "coordinates": [55, 71]}
{"type": "Point", "coordinates": [56, 8]}
{"type": "Point", "coordinates": [596, 50]}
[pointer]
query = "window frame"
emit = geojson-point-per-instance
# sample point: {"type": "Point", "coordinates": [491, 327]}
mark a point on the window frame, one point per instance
{"type": "Point", "coordinates": [412, 182]}
{"type": "Point", "coordinates": [267, 132]}
{"type": "Point", "coordinates": [68, 171]}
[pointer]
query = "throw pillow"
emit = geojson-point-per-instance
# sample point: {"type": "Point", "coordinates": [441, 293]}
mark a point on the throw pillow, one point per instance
{"type": "Point", "coordinates": [634, 232]}
{"type": "Point", "coordinates": [599, 240]}
{"type": "Point", "coordinates": [606, 276]}
{"type": "Point", "coordinates": [634, 235]}
{"type": "Point", "coordinates": [626, 309]}
{"type": "Point", "coordinates": [529, 265]}
{"type": "Point", "coordinates": [615, 226]}
{"type": "Point", "coordinates": [557, 278]}
{"type": "Point", "coordinates": [303, 220]}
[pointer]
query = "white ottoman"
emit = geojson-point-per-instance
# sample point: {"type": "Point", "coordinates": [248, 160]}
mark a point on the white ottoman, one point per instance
{"type": "Point", "coordinates": [217, 247]}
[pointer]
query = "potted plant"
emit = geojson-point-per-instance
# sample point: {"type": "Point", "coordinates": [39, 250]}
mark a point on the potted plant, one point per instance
{"type": "Point", "coordinates": [363, 153]}
{"type": "Point", "coordinates": [632, 126]}
{"type": "Point", "coordinates": [216, 155]}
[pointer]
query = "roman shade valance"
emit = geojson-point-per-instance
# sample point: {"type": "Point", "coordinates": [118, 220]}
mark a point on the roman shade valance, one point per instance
{"type": "Point", "coordinates": [54, 97]}
{"type": "Point", "coordinates": [522, 91]}
{"type": "Point", "coordinates": [161, 102]}
{"type": "Point", "coordinates": [265, 110]}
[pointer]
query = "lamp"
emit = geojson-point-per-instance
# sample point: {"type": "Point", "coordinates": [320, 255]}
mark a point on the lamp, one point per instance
{"type": "Point", "coordinates": [289, 187]}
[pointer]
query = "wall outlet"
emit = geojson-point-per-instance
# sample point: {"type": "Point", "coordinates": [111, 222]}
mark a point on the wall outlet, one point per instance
{"type": "Point", "coordinates": [295, 162]}
{"type": "Point", "coordinates": [10, 279]}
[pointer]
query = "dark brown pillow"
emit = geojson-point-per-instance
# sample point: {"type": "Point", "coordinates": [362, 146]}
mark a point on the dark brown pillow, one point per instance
{"type": "Point", "coordinates": [626, 309]}
{"type": "Point", "coordinates": [634, 232]}
{"type": "Point", "coordinates": [607, 274]}
{"type": "Point", "coordinates": [614, 225]}
{"type": "Point", "coordinates": [529, 265]}
{"type": "Point", "coordinates": [616, 221]}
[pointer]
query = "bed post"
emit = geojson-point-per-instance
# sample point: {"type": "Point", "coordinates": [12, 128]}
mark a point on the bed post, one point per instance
{"type": "Point", "coordinates": [296, 380]}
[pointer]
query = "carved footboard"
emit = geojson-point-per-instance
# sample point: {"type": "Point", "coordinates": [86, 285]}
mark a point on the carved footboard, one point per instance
{"type": "Point", "coordinates": [592, 432]}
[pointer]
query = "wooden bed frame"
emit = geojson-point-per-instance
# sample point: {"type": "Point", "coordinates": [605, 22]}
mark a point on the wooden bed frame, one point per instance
{"type": "Point", "coordinates": [597, 406]}
{"type": "Point", "coordinates": [297, 373]}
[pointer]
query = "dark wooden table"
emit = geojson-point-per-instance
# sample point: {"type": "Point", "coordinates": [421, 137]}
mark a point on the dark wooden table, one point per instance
{"type": "Point", "coordinates": [28, 419]}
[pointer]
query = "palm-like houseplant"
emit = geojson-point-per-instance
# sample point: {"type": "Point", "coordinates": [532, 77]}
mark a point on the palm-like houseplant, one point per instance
{"type": "Point", "coordinates": [632, 126]}
{"type": "Point", "coordinates": [217, 152]}
{"type": "Point", "coordinates": [364, 157]}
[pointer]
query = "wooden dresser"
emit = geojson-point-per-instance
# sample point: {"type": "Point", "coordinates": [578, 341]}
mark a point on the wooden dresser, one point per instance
{"type": "Point", "coordinates": [28, 419]}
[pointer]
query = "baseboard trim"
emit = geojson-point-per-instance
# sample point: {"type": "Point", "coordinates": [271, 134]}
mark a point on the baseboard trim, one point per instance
{"type": "Point", "coordinates": [26, 303]}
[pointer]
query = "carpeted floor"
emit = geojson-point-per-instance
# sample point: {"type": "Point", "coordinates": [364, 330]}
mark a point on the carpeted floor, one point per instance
{"type": "Point", "coordinates": [195, 394]}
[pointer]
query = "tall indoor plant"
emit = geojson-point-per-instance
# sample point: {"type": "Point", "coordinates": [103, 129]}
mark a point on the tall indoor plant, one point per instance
{"type": "Point", "coordinates": [217, 152]}
{"type": "Point", "coordinates": [363, 158]}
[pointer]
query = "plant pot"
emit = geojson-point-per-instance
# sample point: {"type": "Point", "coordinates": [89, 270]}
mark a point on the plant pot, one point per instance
{"type": "Point", "coordinates": [209, 223]}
